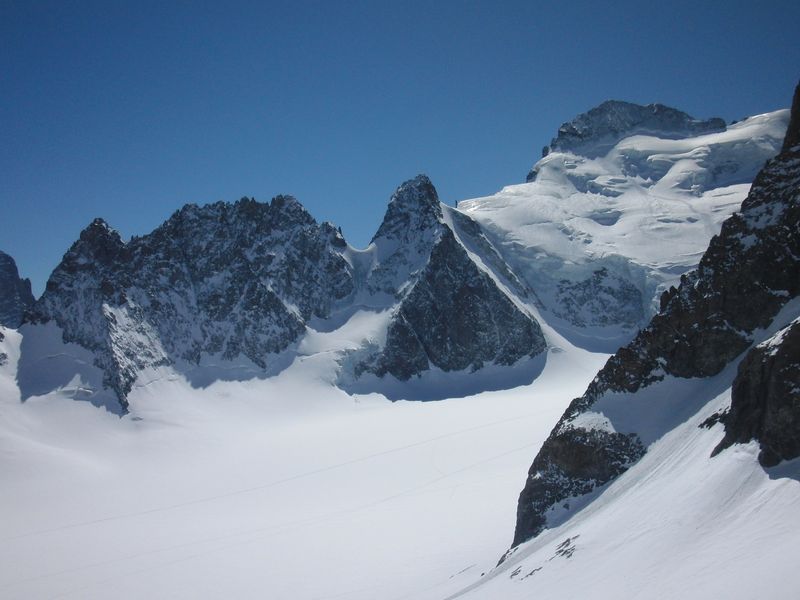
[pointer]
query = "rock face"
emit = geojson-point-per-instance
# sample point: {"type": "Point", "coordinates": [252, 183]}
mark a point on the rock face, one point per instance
{"type": "Point", "coordinates": [595, 131]}
{"type": "Point", "coordinates": [455, 317]}
{"type": "Point", "coordinates": [15, 293]}
{"type": "Point", "coordinates": [749, 272]}
{"type": "Point", "coordinates": [765, 399]}
{"type": "Point", "coordinates": [452, 313]}
{"type": "Point", "coordinates": [227, 280]}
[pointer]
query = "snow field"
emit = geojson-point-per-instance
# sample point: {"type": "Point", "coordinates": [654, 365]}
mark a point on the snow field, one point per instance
{"type": "Point", "coordinates": [279, 488]}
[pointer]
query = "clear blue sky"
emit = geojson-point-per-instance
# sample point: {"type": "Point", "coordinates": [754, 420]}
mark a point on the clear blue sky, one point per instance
{"type": "Point", "coordinates": [128, 110]}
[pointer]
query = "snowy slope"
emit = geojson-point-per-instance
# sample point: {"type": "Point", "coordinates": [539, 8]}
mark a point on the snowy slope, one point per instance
{"type": "Point", "coordinates": [282, 487]}
{"type": "Point", "coordinates": [679, 524]}
{"type": "Point", "coordinates": [599, 238]}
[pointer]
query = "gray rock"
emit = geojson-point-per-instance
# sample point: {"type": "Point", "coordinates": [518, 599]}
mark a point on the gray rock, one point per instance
{"type": "Point", "coordinates": [406, 236]}
{"type": "Point", "coordinates": [600, 300]}
{"type": "Point", "coordinates": [456, 318]}
{"type": "Point", "coordinates": [765, 399]}
{"type": "Point", "coordinates": [15, 293]}
{"type": "Point", "coordinates": [3, 355]}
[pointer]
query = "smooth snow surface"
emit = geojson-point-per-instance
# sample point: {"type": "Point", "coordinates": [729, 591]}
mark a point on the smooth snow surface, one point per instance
{"type": "Point", "coordinates": [280, 488]}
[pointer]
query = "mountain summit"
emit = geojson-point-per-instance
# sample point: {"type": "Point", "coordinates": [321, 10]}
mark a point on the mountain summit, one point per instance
{"type": "Point", "coordinates": [594, 132]}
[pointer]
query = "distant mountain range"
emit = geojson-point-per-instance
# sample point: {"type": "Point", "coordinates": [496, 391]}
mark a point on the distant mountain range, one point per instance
{"type": "Point", "coordinates": [623, 204]}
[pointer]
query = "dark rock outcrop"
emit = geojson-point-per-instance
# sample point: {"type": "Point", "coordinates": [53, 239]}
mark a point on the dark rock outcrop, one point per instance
{"type": "Point", "coordinates": [406, 236]}
{"type": "Point", "coordinates": [602, 299]}
{"type": "Point", "coordinates": [765, 399]}
{"type": "Point", "coordinates": [455, 318]}
{"type": "Point", "coordinates": [451, 315]}
{"type": "Point", "coordinates": [749, 272]}
{"type": "Point", "coordinates": [15, 293]}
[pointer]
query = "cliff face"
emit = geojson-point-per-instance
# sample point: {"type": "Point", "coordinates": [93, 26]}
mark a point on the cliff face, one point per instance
{"type": "Point", "coordinates": [749, 272]}
{"type": "Point", "coordinates": [456, 318]}
{"type": "Point", "coordinates": [765, 399]}
{"type": "Point", "coordinates": [15, 293]}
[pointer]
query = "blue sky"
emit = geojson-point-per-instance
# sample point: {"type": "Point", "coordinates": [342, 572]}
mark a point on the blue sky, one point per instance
{"type": "Point", "coordinates": [128, 110]}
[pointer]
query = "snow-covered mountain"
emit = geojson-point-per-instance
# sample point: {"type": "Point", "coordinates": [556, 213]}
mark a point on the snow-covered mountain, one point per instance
{"type": "Point", "coordinates": [598, 237]}
{"type": "Point", "coordinates": [749, 272]}
{"type": "Point", "coordinates": [596, 131]}
{"type": "Point", "coordinates": [232, 290]}
{"type": "Point", "coordinates": [721, 353]}
{"type": "Point", "coordinates": [236, 286]}
{"type": "Point", "coordinates": [458, 307]}
{"type": "Point", "coordinates": [15, 293]}
{"type": "Point", "coordinates": [255, 457]}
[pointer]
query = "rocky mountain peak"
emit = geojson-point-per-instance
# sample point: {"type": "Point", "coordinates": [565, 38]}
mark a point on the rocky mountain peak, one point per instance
{"type": "Point", "coordinates": [596, 131]}
{"type": "Point", "coordinates": [414, 207]}
{"type": "Point", "coordinates": [287, 209]}
{"type": "Point", "coordinates": [15, 293]}
{"type": "Point", "coordinates": [232, 280]}
{"type": "Point", "coordinates": [99, 229]}
{"type": "Point", "coordinates": [97, 242]}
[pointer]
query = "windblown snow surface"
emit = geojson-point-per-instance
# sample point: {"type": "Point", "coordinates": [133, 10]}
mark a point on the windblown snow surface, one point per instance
{"type": "Point", "coordinates": [221, 484]}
